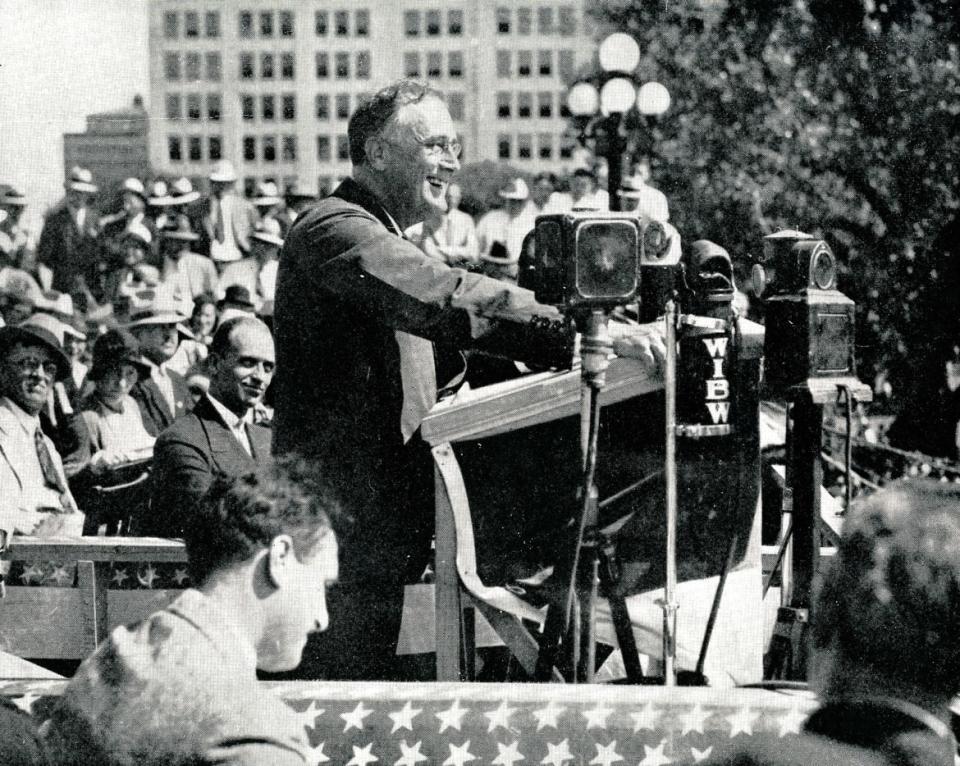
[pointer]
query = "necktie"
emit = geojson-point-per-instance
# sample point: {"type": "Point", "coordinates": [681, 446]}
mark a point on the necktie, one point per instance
{"type": "Point", "coordinates": [50, 473]}
{"type": "Point", "coordinates": [218, 219]}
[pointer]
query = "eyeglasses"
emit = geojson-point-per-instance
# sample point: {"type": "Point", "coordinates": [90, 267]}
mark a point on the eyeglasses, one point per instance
{"type": "Point", "coordinates": [436, 146]}
{"type": "Point", "coordinates": [31, 363]}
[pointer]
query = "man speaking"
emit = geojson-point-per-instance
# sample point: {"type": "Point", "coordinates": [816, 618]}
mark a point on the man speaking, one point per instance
{"type": "Point", "coordinates": [365, 324]}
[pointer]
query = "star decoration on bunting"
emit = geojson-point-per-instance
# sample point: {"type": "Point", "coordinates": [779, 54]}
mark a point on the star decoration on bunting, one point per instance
{"type": "Point", "coordinates": [362, 756]}
{"type": "Point", "coordinates": [119, 575]}
{"type": "Point", "coordinates": [693, 721]}
{"type": "Point", "coordinates": [60, 575]}
{"type": "Point", "coordinates": [558, 754]}
{"type": "Point", "coordinates": [646, 719]}
{"type": "Point", "coordinates": [452, 717]}
{"type": "Point", "coordinates": [148, 576]}
{"type": "Point", "coordinates": [742, 721]}
{"type": "Point", "coordinates": [309, 716]}
{"type": "Point", "coordinates": [403, 718]}
{"type": "Point", "coordinates": [597, 716]}
{"type": "Point", "coordinates": [701, 755]}
{"type": "Point", "coordinates": [500, 716]}
{"type": "Point", "coordinates": [792, 721]}
{"type": "Point", "coordinates": [32, 573]}
{"type": "Point", "coordinates": [655, 756]}
{"type": "Point", "coordinates": [607, 754]}
{"type": "Point", "coordinates": [547, 716]}
{"type": "Point", "coordinates": [410, 755]}
{"type": "Point", "coordinates": [460, 755]}
{"type": "Point", "coordinates": [25, 703]}
{"type": "Point", "coordinates": [316, 754]}
{"type": "Point", "coordinates": [354, 719]}
{"type": "Point", "coordinates": [507, 755]}
{"type": "Point", "coordinates": [180, 576]}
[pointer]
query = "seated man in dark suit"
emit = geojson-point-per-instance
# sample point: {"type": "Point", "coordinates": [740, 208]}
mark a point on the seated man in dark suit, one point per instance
{"type": "Point", "coordinates": [219, 436]}
{"type": "Point", "coordinates": [180, 687]}
{"type": "Point", "coordinates": [885, 660]}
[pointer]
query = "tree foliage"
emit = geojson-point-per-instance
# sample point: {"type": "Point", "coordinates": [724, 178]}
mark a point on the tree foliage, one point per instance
{"type": "Point", "coordinates": [837, 117]}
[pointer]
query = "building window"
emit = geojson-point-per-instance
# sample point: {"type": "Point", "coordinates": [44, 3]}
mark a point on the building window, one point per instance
{"type": "Point", "coordinates": [545, 63]}
{"type": "Point", "coordinates": [323, 148]}
{"type": "Point", "coordinates": [433, 23]}
{"type": "Point", "coordinates": [173, 107]}
{"type": "Point", "coordinates": [341, 23]}
{"type": "Point", "coordinates": [192, 68]}
{"type": "Point", "coordinates": [191, 24]}
{"type": "Point", "coordinates": [213, 67]}
{"type": "Point", "coordinates": [174, 148]}
{"type": "Point", "coordinates": [524, 63]}
{"type": "Point", "coordinates": [503, 146]}
{"type": "Point", "coordinates": [322, 106]}
{"type": "Point", "coordinates": [545, 20]}
{"type": "Point", "coordinates": [193, 106]}
{"type": "Point", "coordinates": [567, 145]}
{"type": "Point", "coordinates": [455, 23]}
{"type": "Point", "coordinates": [211, 23]}
{"type": "Point", "coordinates": [194, 149]}
{"type": "Point", "coordinates": [545, 146]}
{"type": "Point", "coordinates": [545, 104]}
{"type": "Point", "coordinates": [363, 65]}
{"type": "Point", "coordinates": [266, 24]}
{"type": "Point", "coordinates": [214, 148]}
{"type": "Point", "coordinates": [455, 105]}
{"type": "Point", "coordinates": [323, 66]}
{"type": "Point", "coordinates": [503, 21]}
{"type": "Point", "coordinates": [268, 108]}
{"type": "Point", "coordinates": [246, 24]}
{"type": "Point", "coordinates": [288, 149]}
{"type": "Point", "coordinates": [171, 66]}
{"type": "Point", "coordinates": [170, 25]}
{"type": "Point", "coordinates": [286, 23]}
{"type": "Point", "coordinates": [214, 107]}
{"type": "Point", "coordinates": [524, 105]}
{"type": "Point", "coordinates": [321, 21]}
{"type": "Point", "coordinates": [567, 20]}
{"type": "Point", "coordinates": [342, 66]}
{"type": "Point", "coordinates": [524, 146]}
{"type": "Point", "coordinates": [503, 104]}
{"type": "Point", "coordinates": [269, 148]}
{"type": "Point", "coordinates": [564, 106]}
{"type": "Point", "coordinates": [411, 64]}
{"type": "Point", "coordinates": [434, 64]}
{"type": "Point", "coordinates": [289, 106]}
{"type": "Point", "coordinates": [565, 64]}
{"type": "Point", "coordinates": [524, 21]}
{"type": "Point", "coordinates": [247, 107]}
{"type": "Point", "coordinates": [343, 106]}
{"type": "Point", "coordinates": [455, 64]}
{"type": "Point", "coordinates": [249, 148]}
{"type": "Point", "coordinates": [503, 63]}
{"type": "Point", "coordinates": [266, 66]}
{"type": "Point", "coordinates": [411, 23]}
{"type": "Point", "coordinates": [343, 148]}
{"type": "Point", "coordinates": [286, 66]}
{"type": "Point", "coordinates": [361, 21]}
{"type": "Point", "coordinates": [246, 66]}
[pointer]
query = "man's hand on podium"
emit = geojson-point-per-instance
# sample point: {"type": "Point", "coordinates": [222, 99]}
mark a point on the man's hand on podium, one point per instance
{"type": "Point", "coordinates": [643, 342]}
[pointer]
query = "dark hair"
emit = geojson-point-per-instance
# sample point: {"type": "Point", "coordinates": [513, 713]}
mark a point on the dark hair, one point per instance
{"type": "Point", "coordinates": [376, 111]}
{"type": "Point", "coordinates": [202, 300]}
{"type": "Point", "coordinates": [113, 349]}
{"type": "Point", "coordinates": [891, 597]}
{"type": "Point", "coordinates": [240, 515]}
{"type": "Point", "coordinates": [220, 345]}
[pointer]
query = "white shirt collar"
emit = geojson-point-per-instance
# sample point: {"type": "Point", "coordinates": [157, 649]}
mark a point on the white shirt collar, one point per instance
{"type": "Point", "coordinates": [229, 418]}
{"type": "Point", "coordinates": [29, 423]}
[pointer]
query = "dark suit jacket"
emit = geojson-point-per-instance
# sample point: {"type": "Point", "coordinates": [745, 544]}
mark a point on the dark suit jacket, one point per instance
{"type": "Point", "coordinates": [71, 253]}
{"type": "Point", "coordinates": [154, 408]}
{"type": "Point", "coordinates": [187, 457]}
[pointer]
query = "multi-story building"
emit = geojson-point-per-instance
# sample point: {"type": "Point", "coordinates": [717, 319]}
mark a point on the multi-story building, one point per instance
{"type": "Point", "coordinates": [270, 84]}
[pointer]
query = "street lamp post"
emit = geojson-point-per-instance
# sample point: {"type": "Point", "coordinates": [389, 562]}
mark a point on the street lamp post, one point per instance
{"type": "Point", "coordinates": [600, 113]}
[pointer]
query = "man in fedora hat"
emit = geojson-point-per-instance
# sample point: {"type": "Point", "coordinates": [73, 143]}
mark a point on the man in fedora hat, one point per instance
{"type": "Point", "coordinates": [185, 273]}
{"type": "Point", "coordinates": [162, 395]}
{"type": "Point", "coordinates": [68, 244]}
{"type": "Point", "coordinates": [13, 238]}
{"type": "Point", "coordinates": [227, 218]}
{"type": "Point", "coordinates": [31, 471]}
{"type": "Point", "coordinates": [500, 232]}
{"type": "Point", "coordinates": [258, 272]}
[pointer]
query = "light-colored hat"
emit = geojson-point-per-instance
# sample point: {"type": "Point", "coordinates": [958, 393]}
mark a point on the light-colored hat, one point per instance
{"type": "Point", "coordinates": [138, 231]}
{"type": "Point", "coordinates": [10, 196]}
{"type": "Point", "coordinates": [268, 230]}
{"type": "Point", "coordinates": [180, 229]}
{"type": "Point", "coordinates": [183, 192]}
{"type": "Point", "coordinates": [160, 195]}
{"type": "Point", "coordinates": [223, 172]}
{"type": "Point", "coordinates": [135, 186]}
{"type": "Point", "coordinates": [267, 194]}
{"type": "Point", "coordinates": [632, 186]}
{"type": "Point", "coordinates": [81, 180]}
{"type": "Point", "coordinates": [515, 189]}
{"type": "Point", "coordinates": [56, 303]}
{"type": "Point", "coordinates": [149, 307]}
{"type": "Point", "coordinates": [300, 190]}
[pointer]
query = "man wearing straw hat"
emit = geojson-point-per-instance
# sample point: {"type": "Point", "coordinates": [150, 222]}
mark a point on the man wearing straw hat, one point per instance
{"type": "Point", "coordinates": [68, 241]}
{"type": "Point", "coordinates": [258, 272]}
{"type": "Point", "coordinates": [227, 218]}
{"type": "Point", "coordinates": [500, 232]}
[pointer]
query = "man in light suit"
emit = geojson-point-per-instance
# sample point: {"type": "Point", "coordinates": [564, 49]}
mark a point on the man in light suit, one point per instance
{"type": "Point", "coordinates": [228, 219]}
{"type": "Point", "coordinates": [34, 495]}
{"type": "Point", "coordinates": [219, 436]}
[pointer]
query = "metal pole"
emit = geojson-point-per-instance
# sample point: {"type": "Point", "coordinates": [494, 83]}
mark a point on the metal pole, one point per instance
{"type": "Point", "coordinates": [670, 474]}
